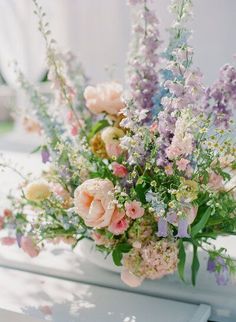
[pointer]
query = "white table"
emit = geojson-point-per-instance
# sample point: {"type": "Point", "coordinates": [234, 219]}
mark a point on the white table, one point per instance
{"type": "Point", "coordinates": [67, 301]}
{"type": "Point", "coordinates": [60, 262]}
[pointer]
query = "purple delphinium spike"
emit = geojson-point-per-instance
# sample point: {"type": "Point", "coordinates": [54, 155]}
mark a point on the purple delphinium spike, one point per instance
{"type": "Point", "coordinates": [220, 98]}
{"type": "Point", "coordinates": [162, 227]}
{"type": "Point", "coordinates": [183, 228]}
{"type": "Point", "coordinates": [45, 155]}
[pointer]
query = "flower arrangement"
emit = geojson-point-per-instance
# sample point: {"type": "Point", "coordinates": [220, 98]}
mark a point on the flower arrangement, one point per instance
{"type": "Point", "coordinates": [143, 172]}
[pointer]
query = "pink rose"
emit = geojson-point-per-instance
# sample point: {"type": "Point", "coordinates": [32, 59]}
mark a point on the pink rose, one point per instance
{"type": "Point", "coordinates": [130, 279]}
{"type": "Point", "coordinates": [105, 97]}
{"type": "Point", "coordinates": [119, 170]}
{"type": "Point", "coordinates": [29, 246]}
{"type": "Point", "coordinates": [8, 241]}
{"type": "Point", "coordinates": [134, 209]}
{"type": "Point", "coordinates": [215, 182]}
{"type": "Point", "coordinates": [182, 164]}
{"type": "Point", "coordinates": [119, 223]}
{"type": "Point", "coordinates": [93, 202]}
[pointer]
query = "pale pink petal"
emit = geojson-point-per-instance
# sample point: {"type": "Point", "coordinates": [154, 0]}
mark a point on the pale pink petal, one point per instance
{"type": "Point", "coordinates": [130, 279]}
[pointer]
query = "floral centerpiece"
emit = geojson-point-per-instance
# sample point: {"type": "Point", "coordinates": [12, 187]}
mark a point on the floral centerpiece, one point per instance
{"type": "Point", "coordinates": [142, 172]}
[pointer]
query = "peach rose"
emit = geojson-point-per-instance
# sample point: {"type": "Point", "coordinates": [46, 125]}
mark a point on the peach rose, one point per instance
{"type": "Point", "coordinates": [104, 97]}
{"type": "Point", "coordinates": [93, 202]}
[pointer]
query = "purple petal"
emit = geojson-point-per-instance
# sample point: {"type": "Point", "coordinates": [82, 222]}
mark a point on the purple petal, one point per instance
{"type": "Point", "coordinates": [183, 228]}
{"type": "Point", "coordinates": [45, 155]}
{"type": "Point", "coordinates": [162, 227]}
{"type": "Point", "coordinates": [222, 277]}
{"type": "Point", "coordinates": [211, 265]}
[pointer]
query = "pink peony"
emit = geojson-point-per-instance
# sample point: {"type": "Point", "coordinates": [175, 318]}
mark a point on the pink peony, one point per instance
{"type": "Point", "coordinates": [182, 164]}
{"type": "Point", "coordinates": [130, 279]}
{"type": "Point", "coordinates": [8, 241]}
{"type": "Point", "coordinates": [134, 209]}
{"type": "Point", "coordinates": [29, 246]}
{"type": "Point", "coordinates": [119, 223]}
{"type": "Point", "coordinates": [93, 202]}
{"type": "Point", "coordinates": [105, 97]}
{"type": "Point", "coordinates": [119, 170]}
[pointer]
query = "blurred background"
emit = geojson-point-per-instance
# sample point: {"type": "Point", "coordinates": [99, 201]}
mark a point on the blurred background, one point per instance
{"type": "Point", "coordinates": [98, 32]}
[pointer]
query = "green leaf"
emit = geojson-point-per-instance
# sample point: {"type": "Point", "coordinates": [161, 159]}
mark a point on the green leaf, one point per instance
{"type": "Point", "coordinates": [117, 257]}
{"type": "Point", "coordinates": [195, 264]}
{"type": "Point", "coordinates": [124, 248]}
{"type": "Point", "coordinates": [117, 253]}
{"type": "Point", "coordinates": [182, 259]}
{"type": "Point", "coordinates": [201, 223]}
{"type": "Point", "coordinates": [98, 127]}
{"type": "Point", "coordinates": [142, 188]}
{"type": "Point", "coordinates": [36, 149]}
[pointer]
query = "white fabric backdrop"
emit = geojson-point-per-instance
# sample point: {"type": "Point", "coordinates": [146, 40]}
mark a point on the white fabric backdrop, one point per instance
{"type": "Point", "coordinates": [98, 31]}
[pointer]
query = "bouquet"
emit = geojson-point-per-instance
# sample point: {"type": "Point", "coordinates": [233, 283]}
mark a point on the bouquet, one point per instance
{"type": "Point", "coordinates": [144, 171]}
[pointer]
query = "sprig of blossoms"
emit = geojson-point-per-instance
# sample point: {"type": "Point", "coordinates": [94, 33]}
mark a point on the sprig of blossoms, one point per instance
{"type": "Point", "coordinates": [221, 96]}
{"type": "Point", "coordinates": [143, 58]}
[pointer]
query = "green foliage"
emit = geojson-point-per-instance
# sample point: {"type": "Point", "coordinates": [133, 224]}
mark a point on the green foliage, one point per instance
{"type": "Point", "coordinates": [202, 219]}
{"type": "Point", "coordinates": [195, 264]}
{"type": "Point", "coordinates": [182, 259]}
{"type": "Point", "coordinates": [97, 127]}
{"type": "Point", "coordinates": [118, 252]}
